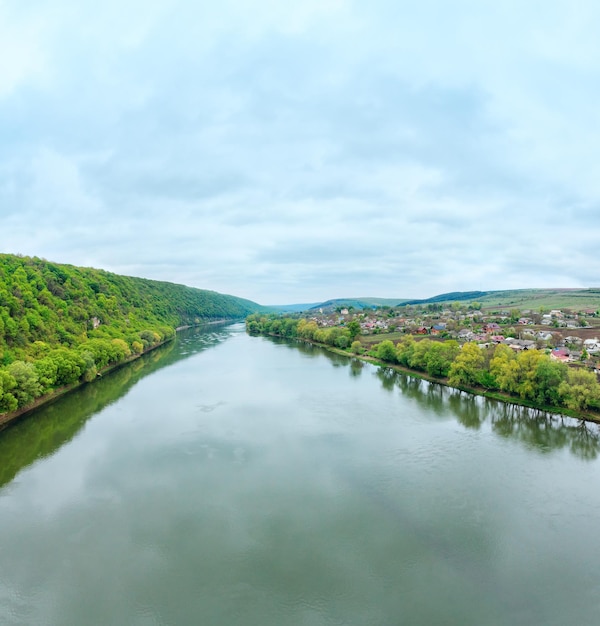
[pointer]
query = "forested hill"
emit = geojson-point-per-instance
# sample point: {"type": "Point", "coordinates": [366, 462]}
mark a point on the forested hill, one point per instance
{"type": "Point", "coordinates": [60, 323]}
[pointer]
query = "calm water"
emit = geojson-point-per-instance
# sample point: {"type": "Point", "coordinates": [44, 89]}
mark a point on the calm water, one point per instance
{"type": "Point", "coordinates": [233, 480]}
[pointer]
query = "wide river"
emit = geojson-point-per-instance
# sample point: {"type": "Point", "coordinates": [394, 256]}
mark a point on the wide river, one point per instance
{"type": "Point", "coordinates": [225, 480]}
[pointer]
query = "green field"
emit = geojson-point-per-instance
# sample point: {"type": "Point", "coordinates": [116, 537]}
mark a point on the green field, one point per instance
{"type": "Point", "coordinates": [535, 299]}
{"type": "Point", "coordinates": [523, 299]}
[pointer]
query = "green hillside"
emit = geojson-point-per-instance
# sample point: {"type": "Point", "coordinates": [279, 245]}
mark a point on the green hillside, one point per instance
{"type": "Point", "coordinates": [533, 299]}
{"type": "Point", "coordinates": [60, 324]}
{"type": "Point", "coordinates": [357, 303]}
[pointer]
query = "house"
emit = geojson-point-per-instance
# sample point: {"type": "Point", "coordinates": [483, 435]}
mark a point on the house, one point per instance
{"type": "Point", "coordinates": [592, 345]}
{"type": "Point", "coordinates": [520, 344]}
{"type": "Point", "coordinates": [421, 330]}
{"type": "Point", "coordinates": [436, 329]}
{"type": "Point", "coordinates": [491, 327]}
{"type": "Point", "coordinates": [560, 354]}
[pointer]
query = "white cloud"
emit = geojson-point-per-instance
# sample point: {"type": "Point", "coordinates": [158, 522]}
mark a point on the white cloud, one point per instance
{"type": "Point", "coordinates": [300, 151]}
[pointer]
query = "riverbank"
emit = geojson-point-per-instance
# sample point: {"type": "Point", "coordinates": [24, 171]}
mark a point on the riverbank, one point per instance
{"type": "Point", "coordinates": [477, 391]}
{"type": "Point", "coordinates": [7, 419]}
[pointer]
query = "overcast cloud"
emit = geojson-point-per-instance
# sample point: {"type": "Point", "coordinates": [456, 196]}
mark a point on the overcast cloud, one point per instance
{"type": "Point", "coordinates": [299, 151]}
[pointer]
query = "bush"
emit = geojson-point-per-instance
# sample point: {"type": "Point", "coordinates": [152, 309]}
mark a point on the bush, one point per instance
{"type": "Point", "coordinates": [356, 347]}
{"type": "Point", "coordinates": [386, 351]}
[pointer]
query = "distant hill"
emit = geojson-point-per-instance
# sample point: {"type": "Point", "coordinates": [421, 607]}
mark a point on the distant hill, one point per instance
{"type": "Point", "coordinates": [453, 296]}
{"type": "Point", "coordinates": [358, 303]}
{"type": "Point", "coordinates": [535, 299]}
{"type": "Point", "coordinates": [532, 299]}
{"type": "Point", "coordinates": [292, 308]}
{"type": "Point", "coordinates": [524, 299]}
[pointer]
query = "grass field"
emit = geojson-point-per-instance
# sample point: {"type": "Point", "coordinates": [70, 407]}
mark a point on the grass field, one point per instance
{"type": "Point", "coordinates": [534, 299]}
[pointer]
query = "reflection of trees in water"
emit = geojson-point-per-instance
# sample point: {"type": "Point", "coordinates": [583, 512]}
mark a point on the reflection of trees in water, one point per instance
{"type": "Point", "coordinates": [307, 349]}
{"type": "Point", "coordinates": [467, 409]}
{"type": "Point", "coordinates": [45, 430]}
{"type": "Point", "coordinates": [431, 396]}
{"type": "Point", "coordinates": [387, 376]}
{"type": "Point", "coordinates": [538, 430]}
{"type": "Point", "coordinates": [356, 367]}
{"type": "Point", "coordinates": [584, 443]}
{"type": "Point", "coordinates": [545, 432]}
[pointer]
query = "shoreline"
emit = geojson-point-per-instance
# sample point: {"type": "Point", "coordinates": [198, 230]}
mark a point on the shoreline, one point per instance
{"type": "Point", "coordinates": [476, 391]}
{"type": "Point", "coordinates": [7, 419]}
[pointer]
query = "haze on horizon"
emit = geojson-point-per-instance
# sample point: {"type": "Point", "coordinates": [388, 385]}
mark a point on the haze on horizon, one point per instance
{"type": "Point", "coordinates": [302, 151]}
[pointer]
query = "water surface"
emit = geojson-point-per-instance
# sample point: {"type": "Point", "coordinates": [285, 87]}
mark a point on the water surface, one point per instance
{"type": "Point", "coordinates": [234, 480]}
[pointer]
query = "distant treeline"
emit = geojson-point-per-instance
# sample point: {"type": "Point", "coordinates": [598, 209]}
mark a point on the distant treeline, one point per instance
{"type": "Point", "coordinates": [531, 376]}
{"type": "Point", "coordinates": [61, 324]}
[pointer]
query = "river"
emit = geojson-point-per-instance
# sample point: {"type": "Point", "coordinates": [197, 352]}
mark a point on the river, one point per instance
{"type": "Point", "coordinates": [225, 479]}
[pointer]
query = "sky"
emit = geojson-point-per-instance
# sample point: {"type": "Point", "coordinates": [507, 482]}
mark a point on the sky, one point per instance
{"type": "Point", "coordinates": [292, 151]}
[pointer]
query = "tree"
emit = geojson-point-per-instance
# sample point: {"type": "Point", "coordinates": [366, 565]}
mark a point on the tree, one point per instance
{"type": "Point", "coordinates": [386, 351]}
{"type": "Point", "coordinates": [405, 349]}
{"type": "Point", "coordinates": [504, 368]}
{"type": "Point", "coordinates": [527, 384]}
{"type": "Point", "coordinates": [439, 357]}
{"type": "Point", "coordinates": [354, 329]}
{"type": "Point", "coordinates": [342, 341]}
{"type": "Point", "coordinates": [580, 389]}
{"type": "Point", "coordinates": [8, 402]}
{"type": "Point", "coordinates": [549, 375]}
{"type": "Point", "coordinates": [356, 347]}
{"type": "Point", "coordinates": [467, 367]}
{"type": "Point", "coordinates": [418, 359]}
{"type": "Point", "coordinates": [27, 387]}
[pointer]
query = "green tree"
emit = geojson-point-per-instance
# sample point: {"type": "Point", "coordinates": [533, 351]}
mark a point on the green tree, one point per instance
{"type": "Point", "coordinates": [467, 367]}
{"type": "Point", "coordinates": [439, 357]}
{"type": "Point", "coordinates": [343, 341]}
{"type": "Point", "coordinates": [27, 387]}
{"type": "Point", "coordinates": [418, 359]}
{"type": "Point", "coordinates": [505, 369]}
{"type": "Point", "coordinates": [386, 351]}
{"type": "Point", "coordinates": [580, 389]}
{"type": "Point", "coordinates": [354, 329]}
{"type": "Point", "coordinates": [549, 375]}
{"type": "Point", "coordinates": [405, 349]}
{"type": "Point", "coordinates": [8, 401]}
{"type": "Point", "coordinates": [528, 361]}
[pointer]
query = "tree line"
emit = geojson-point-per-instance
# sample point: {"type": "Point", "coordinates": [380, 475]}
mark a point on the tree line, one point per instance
{"type": "Point", "coordinates": [61, 324]}
{"type": "Point", "coordinates": [531, 376]}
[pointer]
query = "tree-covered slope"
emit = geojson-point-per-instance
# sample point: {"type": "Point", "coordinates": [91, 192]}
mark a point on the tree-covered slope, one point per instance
{"type": "Point", "coordinates": [60, 323]}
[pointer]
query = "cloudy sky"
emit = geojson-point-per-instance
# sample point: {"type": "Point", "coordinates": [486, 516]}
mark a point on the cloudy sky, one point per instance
{"type": "Point", "coordinates": [300, 151]}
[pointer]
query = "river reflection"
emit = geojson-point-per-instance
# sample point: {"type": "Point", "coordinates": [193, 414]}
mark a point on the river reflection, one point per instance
{"type": "Point", "coordinates": [536, 429]}
{"type": "Point", "coordinates": [260, 482]}
{"type": "Point", "coordinates": [42, 432]}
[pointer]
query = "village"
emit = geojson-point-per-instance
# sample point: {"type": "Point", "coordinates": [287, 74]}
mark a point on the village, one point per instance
{"type": "Point", "coordinates": [568, 336]}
